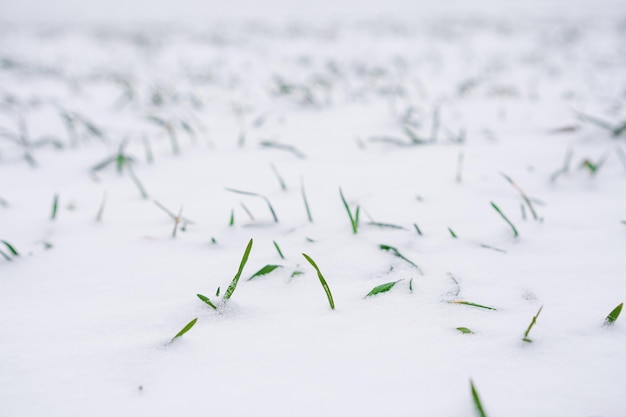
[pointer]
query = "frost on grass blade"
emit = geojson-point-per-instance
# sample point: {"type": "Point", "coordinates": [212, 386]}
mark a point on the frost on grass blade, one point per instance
{"type": "Point", "coordinates": [613, 315]}
{"type": "Point", "coordinates": [264, 271]}
{"type": "Point", "coordinates": [206, 300]}
{"type": "Point", "coordinates": [530, 326]}
{"type": "Point", "coordinates": [480, 411]}
{"type": "Point", "coordinates": [185, 329]}
{"type": "Point", "coordinates": [322, 281]}
{"type": "Point", "coordinates": [233, 285]}
{"type": "Point", "coordinates": [382, 288]}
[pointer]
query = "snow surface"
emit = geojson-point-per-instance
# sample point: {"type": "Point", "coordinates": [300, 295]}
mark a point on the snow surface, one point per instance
{"type": "Point", "coordinates": [89, 307]}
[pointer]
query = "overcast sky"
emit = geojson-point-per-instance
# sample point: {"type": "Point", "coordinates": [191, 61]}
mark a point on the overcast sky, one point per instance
{"type": "Point", "coordinates": [198, 10]}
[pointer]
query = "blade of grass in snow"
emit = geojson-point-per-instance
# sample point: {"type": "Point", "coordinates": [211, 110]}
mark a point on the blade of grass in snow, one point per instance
{"type": "Point", "coordinates": [10, 247]}
{"type": "Point", "coordinates": [613, 315]}
{"type": "Point", "coordinates": [417, 229]}
{"type": "Point", "coordinates": [306, 202]}
{"type": "Point", "coordinates": [397, 253]}
{"type": "Point", "coordinates": [217, 292]}
{"type": "Point", "coordinates": [131, 174]}
{"type": "Point", "coordinates": [269, 205]}
{"type": "Point", "coordinates": [231, 221]}
{"type": "Point", "coordinates": [206, 300]}
{"type": "Point", "coordinates": [248, 212]}
{"type": "Point", "coordinates": [280, 252]}
{"type": "Point", "coordinates": [55, 207]}
{"type": "Point", "coordinates": [506, 219]}
{"type": "Point", "coordinates": [382, 288]}
{"type": "Point", "coordinates": [102, 205]}
{"type": "Point", "coordinates": [5, 256]}
{"type": "Point", "coordinates": [233, 285]}
{"type": "Point", "coordinates": [565, 168]}
{"type": "Point", "coordinates": [530, 326]}
{"type": "Point", "coordinates": [264, 271]}
{"type": "Point", "coordinates": [283, 186]}
{"type": "Point", "coordinates": [283, 147]}
{"type": "Point", "coordinates": [454, 236]}
{"type": "Point", "coordinates": [386, 225]}
{"type": "Point", "coordinates": [354, 220]}
{"type": "Point", "coordinates": [522, 194]}
{"type": "Point", "coordinates": [468, 303]}
{"type": "Point", "coordinates": [322, 281]}
{"type": "Point", "coordinates": [480, 411]}
{"type": "Point", "coordinates": [411, 285]}
{"type": "Point", "coordinates": [177, 221]}
{"type": "Point", "coordinates": [172, 215]}
{"type": "Point", "coordinates": [464, 330]}
{"type": "Point", "coordinates": [185, 329]}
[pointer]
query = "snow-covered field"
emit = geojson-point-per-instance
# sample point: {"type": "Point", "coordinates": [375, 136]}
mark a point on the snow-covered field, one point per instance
{"type": "Point", "coordinates": [484, 157]}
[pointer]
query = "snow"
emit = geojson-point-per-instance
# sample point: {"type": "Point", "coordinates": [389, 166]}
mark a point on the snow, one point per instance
{"type": "Point", "coordinates": [89, 307]}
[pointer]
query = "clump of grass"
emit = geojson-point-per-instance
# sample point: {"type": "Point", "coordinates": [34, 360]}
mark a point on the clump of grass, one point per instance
{"type": "Point", "coordinates": [397, 253]}
{"type": "Point", "coordinates": [269, 205]}
{"type": "Point", "coordinates": [354, 218]}
{"type": "Point", "coordinates": [264, 271]}
{"type": "Point", "coordinates": [480, 410]}
{"type": "Point", "coordinates": [185, 329]}
{"type": "Point", "coordinates": [322, 281]}
{"type": "Point", "coordinates": [382, 288]}
{"type": "Point", "coordinates": [613, 315]}
{"type": "Point", "coordinates": [55, 207]}
{"type": "Point", "coordinates": [506, 219]}
{"type": "Point", "coordinates": [530, 326]}
{"type": "Point", "coordinates": [280, 252]}
{"type": "Point", "coordinates": [469, 303]}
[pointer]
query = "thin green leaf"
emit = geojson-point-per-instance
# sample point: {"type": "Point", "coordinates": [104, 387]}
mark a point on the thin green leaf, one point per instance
{"type": "Point", "coordinates": [382, 288]}
{"type": "Point", "coordinates": [280, 252]}
{"type": "Point", "coordinates": [306, 202]}
{"type": "Point", "coordinates": [354, 220]}
{"type": "Point", "coordinates": [264, 271]}
{"type": "Point", "coordinates": [464, 330]}
{"type": "Point", "coordinates": [399, 255]}
{"type": "Point", "coordinates": [55, 207]}
{"type": "Point", "coordinates": [233, 285]}
{"type": "Point", "coordinates": [613, 315]}
{"type": "Point", "coordinates": [322, 281]}
{"type": "Point", "coordinates": [207, 301]}
{"type": "Point", "coordinates": [468, 303]}
{"type": "Point", "coordinates": [530, 326]}
{"type": "Point", "coordinates": [506, 219]}
{"type": "Point", "coordinates": [295, 274]}
{"type": "Point", "coordinates": [480, 411]}
{"type": "Point", "coordinates": [185, 329]}
{"type": "Point", "coordinates": [10, 248]}
{"type": "Point", "coordinates": [454, 236]}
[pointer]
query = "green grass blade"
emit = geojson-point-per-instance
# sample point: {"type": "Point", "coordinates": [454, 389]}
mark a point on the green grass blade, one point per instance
{"type": "Point", "coordinates": [354, 221]}
{"type": "Point", "coordinates": [613, 315]}
{"type": "Point", "coordinates": [480, 411]}
{"type": "Point", "coordinates": [464, 330]}
{"type": "Point", "coordinates": [280, 252]}
{"type": "Point", "coordinates": [468, 303]}
{"type": "Point", "coordinates": [382, 288]}
{"type": "Point", "coordinates": [506, 219]}
{"type": "Point", "coordinates": [231, 221]}
{"type": "Point", "coordinates": [454, 236]}
{"type": "Point", "coordinates": [10, 248]}
{"type": "Point", "coordinates": [264, 271]}
{"type": "Point", "coordinates": [397, 253]}
{"type": "Point", "coordinates": [306, 202]}
{"type": "Point", "coordinates": [322, 280]}
{"type": "Point", "coordinates": [185, 329]}
{"type": "Point", "coordinates": [530, 326]}
{"type": "Point", "coordinates": [207, 301]}
{"type": "Point", "coordinates": [233, 285]}
{"type": "Point", "coordinates": [55, 207]}
{"type": "Point", "coordinates": [283, 186]}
